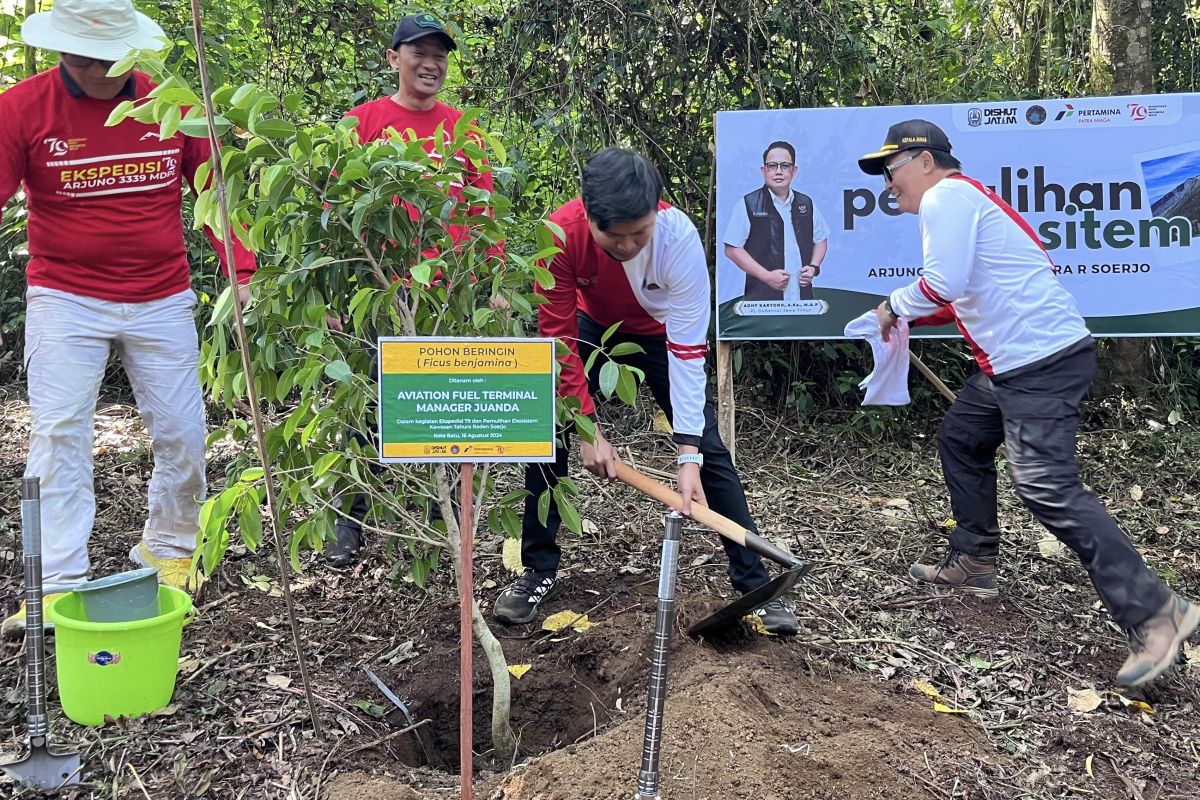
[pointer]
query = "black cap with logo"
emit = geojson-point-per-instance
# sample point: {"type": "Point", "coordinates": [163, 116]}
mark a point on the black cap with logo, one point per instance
{"type": "Point", "coordinates": [913, 134]}
{"type": "Point", "coordinates": [418, 26]}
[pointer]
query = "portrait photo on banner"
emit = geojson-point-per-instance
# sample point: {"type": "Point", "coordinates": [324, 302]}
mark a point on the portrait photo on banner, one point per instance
{"type": "Point", "coordinates": [1109, 185]}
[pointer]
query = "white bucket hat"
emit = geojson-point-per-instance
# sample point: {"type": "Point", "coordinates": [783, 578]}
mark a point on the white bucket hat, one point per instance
{"type": "Point", "coordinates": [103, 29]}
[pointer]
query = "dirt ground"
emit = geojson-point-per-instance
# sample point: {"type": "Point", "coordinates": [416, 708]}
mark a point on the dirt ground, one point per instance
{"type": "Point", "coordinates": [845, 711]}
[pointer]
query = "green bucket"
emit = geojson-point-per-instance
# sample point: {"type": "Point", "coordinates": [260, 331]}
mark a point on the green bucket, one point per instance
{"type": "Point", "coordinates": [116, 669]}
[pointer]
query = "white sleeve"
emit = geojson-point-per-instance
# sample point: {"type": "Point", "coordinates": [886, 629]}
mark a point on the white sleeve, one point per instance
{"type": "Point", "coordinates": [738, 230]}
{"type": "Point", "coordinates": [820, 226]}
{"type": "Point", "coordinates": [949, 228]}
{"type": "Point", "coordinates": [690, 296]}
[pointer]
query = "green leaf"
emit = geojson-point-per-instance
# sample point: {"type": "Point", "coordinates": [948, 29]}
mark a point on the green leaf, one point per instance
{"type": "Point", "coordinates": [198, 128]}
{"type": "Point", "coordinates": [422, 273]}
{"type": "Point", "coordinates": [272, 128]}
{"type": "Point", "coordinates": [608, 378]}
{"type": "Point", "coordinates": [326, 463]}
{"type": "Point", "coordinates": [221, 309]}
{"type": "Point", "coordinates": [118, 113]}
{"type": "Point", "coordinates": [543, 276]}
{"type": "Point", "coordinates": [627, 387]}
{"type": "Point", "coordinates": [252, 474]}
{"type": "Point", "coordinates": [611, 330]}
{"type": "Point", "coordinates": [354, 170]}
{"type": "Point", "coordinates": [625, 349]}
{"type": "Point", "coordinates": [587, 428]}
{"type": "Point", "coordinates": [544, 507]}
{"type": "Point", "coordinates": [170, 123]}
{"type": "Point", "coordinates": [339, 371]}
{"type": "Point", "coordinates": [570, 515]}
{"type": "Point", "coordinates": [244, 96]}
{"type": "Point", "coordinates": [250, 523]}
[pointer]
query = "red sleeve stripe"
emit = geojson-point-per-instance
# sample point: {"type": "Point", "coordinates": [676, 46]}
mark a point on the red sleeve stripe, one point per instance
{"type": "Point", "coordinates": [928, 291]}
{"type": "Point", "coordinates": [687, 351]}
{"type": "Point", "coordinates": [1010, 211]}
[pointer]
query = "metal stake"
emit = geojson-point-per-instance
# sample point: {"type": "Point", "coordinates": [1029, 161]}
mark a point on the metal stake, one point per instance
{"type": "Point", "coordinates": [663, 625]}
{"type": "Point", "coordinates": [40, 768]}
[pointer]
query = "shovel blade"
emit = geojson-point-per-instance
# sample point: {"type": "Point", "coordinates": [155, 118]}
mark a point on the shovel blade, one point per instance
{"type": "Point", "coordinates": [732, 614]}
{"type": "Point", "coordinates": [44, 770]}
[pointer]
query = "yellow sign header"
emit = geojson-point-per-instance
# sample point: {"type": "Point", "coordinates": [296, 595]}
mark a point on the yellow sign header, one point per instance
{"type": "Point", "coordinates": [458, 357]}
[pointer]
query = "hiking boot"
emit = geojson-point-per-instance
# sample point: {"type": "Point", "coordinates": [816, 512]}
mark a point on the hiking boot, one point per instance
{"type": "Point", "coordinates": [519, 602]}
{"type": "Point", "coordinates": [175, 572]}
{"type": "Point", "coordinates": [974, 574]}
{"type": "Point", "coordinates": [778, 618]}
{"type": "Point", "coordinates": [14, 626]}
{"type": "Point", "coordinates": [1154, 645]}
{"type": "Point", "coordinates": [342, 550]}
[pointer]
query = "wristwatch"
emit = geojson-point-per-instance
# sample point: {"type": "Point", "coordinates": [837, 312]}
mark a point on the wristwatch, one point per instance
{"type": "Point", "coordinates": [887, 306]}
{"type": "Point", "coordinates": [816, 267]}
{"type": "Point", "coordinates": [691, 458]}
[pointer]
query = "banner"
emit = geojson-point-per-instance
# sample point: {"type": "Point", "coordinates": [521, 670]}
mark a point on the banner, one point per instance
{"type": "Point", "coordinates": [457, 399]}
{"type": "Point", "coordinates": [1111, 185]}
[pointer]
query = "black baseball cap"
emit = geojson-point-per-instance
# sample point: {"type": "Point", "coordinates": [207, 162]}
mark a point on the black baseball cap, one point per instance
{"type": "Point", "coordinates": [913, 134]}
{"type": "Point", "coordinates": [418, 26]}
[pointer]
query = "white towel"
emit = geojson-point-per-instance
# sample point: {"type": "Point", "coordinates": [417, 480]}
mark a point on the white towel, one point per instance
{"type": "Point", "coordinates": [887, 385]}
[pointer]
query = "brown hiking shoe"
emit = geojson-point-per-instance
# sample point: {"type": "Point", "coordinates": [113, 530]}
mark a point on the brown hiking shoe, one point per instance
{"type": "Point", "coordinates": [1154, 645]}
{"type": "Point", "coordinates": [974, 574]}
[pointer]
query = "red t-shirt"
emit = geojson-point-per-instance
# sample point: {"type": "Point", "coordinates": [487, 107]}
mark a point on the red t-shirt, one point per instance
{"type": "Point", "coordinates": [105, 203]}
{"type": "Point", "coordinates": [377, 117]}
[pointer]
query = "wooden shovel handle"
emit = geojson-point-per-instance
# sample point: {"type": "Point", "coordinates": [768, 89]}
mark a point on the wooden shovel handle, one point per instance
{"type": "Point", "coordinates": [704, 515]}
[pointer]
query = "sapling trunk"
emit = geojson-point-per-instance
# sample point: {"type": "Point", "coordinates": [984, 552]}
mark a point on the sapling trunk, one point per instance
{"type": "Point", "coordinates": [504, 743]}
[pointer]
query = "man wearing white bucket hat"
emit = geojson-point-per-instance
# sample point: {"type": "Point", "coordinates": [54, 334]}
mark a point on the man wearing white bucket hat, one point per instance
{"type": "Point", "coordinates": [107, 267]}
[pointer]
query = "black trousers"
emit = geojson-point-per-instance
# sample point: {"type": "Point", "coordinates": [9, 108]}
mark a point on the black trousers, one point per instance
{"type": "Point", "coordinates": [1034, 410]}
{"type": "Point", "coordinates": [722, 487]}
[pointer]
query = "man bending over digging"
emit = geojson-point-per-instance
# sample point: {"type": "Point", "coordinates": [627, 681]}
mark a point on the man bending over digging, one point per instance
{"type": "Point", "coordinates": [629, 257]}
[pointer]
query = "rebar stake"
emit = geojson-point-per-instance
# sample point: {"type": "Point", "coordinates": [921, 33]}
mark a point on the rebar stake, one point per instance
{"type": "Point", "coordinates": [663, 625]}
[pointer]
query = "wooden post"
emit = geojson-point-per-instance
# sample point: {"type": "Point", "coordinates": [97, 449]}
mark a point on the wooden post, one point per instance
{"type": "Point", "coordinates": [725, 408]}
{"type": "Point", "coordinates": [466, 600]}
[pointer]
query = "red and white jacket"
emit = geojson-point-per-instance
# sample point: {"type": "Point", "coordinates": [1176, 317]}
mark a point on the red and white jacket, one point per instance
{"type": "Point", "coordinates": [985, 266]}
{"type": "Point", "coordinates": [663, 291]}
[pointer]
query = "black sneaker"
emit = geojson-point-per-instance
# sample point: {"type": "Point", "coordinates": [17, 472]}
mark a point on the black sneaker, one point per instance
{"type": "Point", "coordinates": [519, 603]}
{"type": "Point", "coordinates": [778, 618]}
{"type": "Point", "coordinates": [342, 550]}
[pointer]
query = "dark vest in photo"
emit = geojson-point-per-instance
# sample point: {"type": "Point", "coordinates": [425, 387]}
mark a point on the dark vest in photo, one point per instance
{"type": "Point", "coordinates": [766, 245]}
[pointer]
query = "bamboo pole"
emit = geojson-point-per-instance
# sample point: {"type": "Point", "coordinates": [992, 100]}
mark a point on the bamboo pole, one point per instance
{"type": "Point", "coordinates": [281, 550]}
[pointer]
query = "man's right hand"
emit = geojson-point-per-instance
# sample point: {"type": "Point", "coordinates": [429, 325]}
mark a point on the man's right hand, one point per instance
{"type": "Point", "coordinates": [777, 279]}
{"type": "Point", "coordinates": [599, 458]}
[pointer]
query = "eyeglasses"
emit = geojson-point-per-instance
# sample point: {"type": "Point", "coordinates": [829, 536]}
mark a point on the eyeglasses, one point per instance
{"type": "Point", "coordinates": [778, 166]}
{"type": "Point", "coordinates": [83, 62]}
{"type": "Point", "coordinates": [889, 170]}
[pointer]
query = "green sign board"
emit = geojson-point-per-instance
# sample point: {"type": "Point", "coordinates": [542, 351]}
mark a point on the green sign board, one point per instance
{"type": "Point", "coordinates": [466, 400]}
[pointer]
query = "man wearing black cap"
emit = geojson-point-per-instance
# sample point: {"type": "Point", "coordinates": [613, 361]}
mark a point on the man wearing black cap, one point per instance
{"type": "Point", "coordinates": [985, 269]}
{"type": "Point", "coordinates": [419, 53]}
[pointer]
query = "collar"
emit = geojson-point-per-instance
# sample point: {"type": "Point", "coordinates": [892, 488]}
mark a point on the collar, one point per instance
{"type": "Point", "coordinates": [129, 90]}
{"type": "Point", "coordinates": [787, 201]}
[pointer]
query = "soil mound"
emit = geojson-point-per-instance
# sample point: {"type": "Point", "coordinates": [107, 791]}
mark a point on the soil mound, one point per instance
{"type": "Point", "coordinates": [757, 725]}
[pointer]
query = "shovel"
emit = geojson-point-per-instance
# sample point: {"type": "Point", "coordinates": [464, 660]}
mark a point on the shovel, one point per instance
{"type": "Point", "coordinates": [40, 768]}
{"type": "Point", "coordinates": [747, 603]}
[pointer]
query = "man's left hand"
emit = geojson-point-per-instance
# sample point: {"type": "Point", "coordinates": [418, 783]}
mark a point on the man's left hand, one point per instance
{"type": "Point", "coordinates": [886, 320]}
{"type": "Point", "coordinates": [690, 487]}
{"type": "Point", "coordinates": [806, 275]}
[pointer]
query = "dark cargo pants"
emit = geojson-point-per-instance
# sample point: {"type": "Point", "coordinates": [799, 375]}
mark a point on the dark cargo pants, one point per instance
{"type": "Point", "coordinates": [722, 487]}
{"type": "Point", "coordinates": [1034, 410]}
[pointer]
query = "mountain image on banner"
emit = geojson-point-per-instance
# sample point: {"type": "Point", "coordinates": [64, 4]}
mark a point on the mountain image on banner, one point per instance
{"type": "Point", "coordinates": [1182, 201]}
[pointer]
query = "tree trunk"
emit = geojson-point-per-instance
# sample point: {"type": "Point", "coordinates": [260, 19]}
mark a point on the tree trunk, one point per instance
{"type": "Point", "coordinates": [504, 742]}
{"type": "Point", "coordinates": [1122, 62]}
